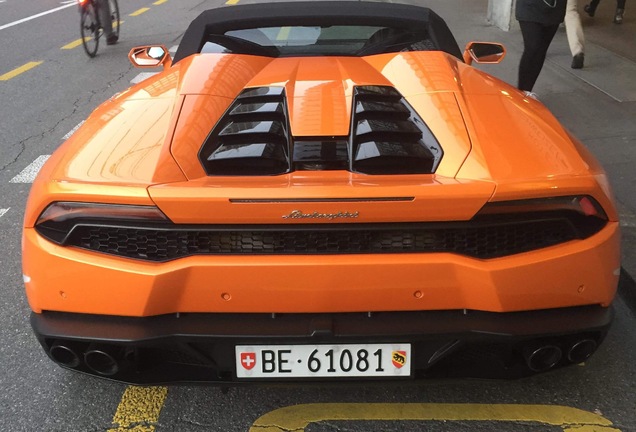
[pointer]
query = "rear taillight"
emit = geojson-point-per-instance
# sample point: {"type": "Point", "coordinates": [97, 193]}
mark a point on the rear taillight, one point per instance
{"type": "Point", "coordinates": [59, 219]}
{"type": "Point", "coordinates": [581, 204]}
{"type": "Point", "coordinates": [583, 212]}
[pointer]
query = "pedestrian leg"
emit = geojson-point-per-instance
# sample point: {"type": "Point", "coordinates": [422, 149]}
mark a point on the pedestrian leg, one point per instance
{"type": "Point", "coordinates": [574, 30]}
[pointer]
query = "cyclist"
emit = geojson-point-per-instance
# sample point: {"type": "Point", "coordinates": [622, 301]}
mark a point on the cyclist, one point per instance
{"type": "Point", "coordinates": [103, 8]}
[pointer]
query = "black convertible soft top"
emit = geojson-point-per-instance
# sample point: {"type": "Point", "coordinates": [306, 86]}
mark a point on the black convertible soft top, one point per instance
{"type": "Point", "coordinates": [316, 13]}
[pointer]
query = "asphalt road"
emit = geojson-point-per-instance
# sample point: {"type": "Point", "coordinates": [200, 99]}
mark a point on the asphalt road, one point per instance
{"type": "Point", "coordinates": [44, 103]}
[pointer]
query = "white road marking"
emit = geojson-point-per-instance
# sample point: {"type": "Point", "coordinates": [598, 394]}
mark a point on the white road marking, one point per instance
{"type": "Point", "coordinates": [72, 131]}
{"type": "Point", "coordinates": [3, 211]}
{"type": "Point", "coordinates": [142, 76]}
{"type": "Point", "coordinates": [173, 49]}
{"type": "Point", "coordinates": [11, 24]}
{"type": "Point", "coordinates": [28, 174]}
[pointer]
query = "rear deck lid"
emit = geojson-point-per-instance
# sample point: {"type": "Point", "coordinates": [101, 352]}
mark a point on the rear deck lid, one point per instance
{"type": "Point", "coordinates": [322, 198]}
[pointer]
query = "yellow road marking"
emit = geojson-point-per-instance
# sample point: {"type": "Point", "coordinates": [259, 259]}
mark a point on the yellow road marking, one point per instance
{"type": "Point", "coordinates": [158, 2]}
{"type": "Point", "coordinates": [231, 2]}
{"type": "Point", "coordinates": [17, 71]}
{"type": "Point", "coordinates": [283, 33]}
{"type": "Point", "coordinates": [73, 44]}
{"type": "Point", "coordinates": [298, 417]}
{"type": "Point", "coordinates": [78, 42]}
{"type": "Point", "coordinates": [139, 11]}
{"type": "Point", "coordinates": [139, 409]}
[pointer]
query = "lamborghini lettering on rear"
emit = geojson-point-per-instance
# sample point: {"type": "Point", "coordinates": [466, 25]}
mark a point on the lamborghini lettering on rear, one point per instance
{"type": "Point", "coordinates": [299, 214]}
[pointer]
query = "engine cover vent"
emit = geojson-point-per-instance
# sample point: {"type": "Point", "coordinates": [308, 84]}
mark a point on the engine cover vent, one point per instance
{"type": "Point", "coordinates": [252, 137]}
{"type": "Point", "coordinates": [388, 136]}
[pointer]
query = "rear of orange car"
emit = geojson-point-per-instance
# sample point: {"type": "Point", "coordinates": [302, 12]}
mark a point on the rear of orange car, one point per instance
{"type": "Point", "coordinates": [243, 219]}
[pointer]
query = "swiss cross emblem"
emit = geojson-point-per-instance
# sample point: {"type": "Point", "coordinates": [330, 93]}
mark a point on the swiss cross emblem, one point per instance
{"type": "Point", "coordinates": [398, 358]}
{"type": "Point", "coordinates": [248, 360]}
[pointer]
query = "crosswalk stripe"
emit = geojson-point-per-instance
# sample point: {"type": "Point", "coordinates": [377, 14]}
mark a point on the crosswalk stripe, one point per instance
{"type": "Point", "coordinates": [28, 174]}
{"type": "Point", "coordinates": [72, 131]}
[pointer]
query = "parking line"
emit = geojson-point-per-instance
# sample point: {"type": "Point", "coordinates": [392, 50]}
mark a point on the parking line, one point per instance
{"type": "Point", "coordinates": [78, 42]}
{"type": "Point", "coordinates": [139, 409]}
{"type": "Point", "coordinates": [139, 11]}
{"type": "Point", "coordinates": [17, 71]}
{"type": "Point", "coordinates": [28, 174]}
{"type": "Point", "coordinates": [297, 417]}
{"type": "Point", "coordinates": [73, 44]}
{"type": "Point", "coordinates": [4, 211]}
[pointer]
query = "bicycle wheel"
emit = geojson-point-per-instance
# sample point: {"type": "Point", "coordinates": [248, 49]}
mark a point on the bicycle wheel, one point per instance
{"type": "Point", "coordinates": [114, 16]}
{"type": "Point", "coordinates": [90, 30]}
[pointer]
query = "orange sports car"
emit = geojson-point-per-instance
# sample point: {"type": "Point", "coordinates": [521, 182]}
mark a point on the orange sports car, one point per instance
{"type": "Point", "coordinates": [320, 191]}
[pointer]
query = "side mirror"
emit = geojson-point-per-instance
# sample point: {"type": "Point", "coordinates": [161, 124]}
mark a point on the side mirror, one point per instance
{"type": "Point", "coordinates": [150, 56]}
{"type": "Point", "coordinates": [484, 52]}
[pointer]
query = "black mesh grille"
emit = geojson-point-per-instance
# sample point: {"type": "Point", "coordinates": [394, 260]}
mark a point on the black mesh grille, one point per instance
{"type": "Point", "coordinates": [478, 239]}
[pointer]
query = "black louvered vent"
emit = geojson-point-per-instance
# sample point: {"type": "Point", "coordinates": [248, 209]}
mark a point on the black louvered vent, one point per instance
{"type": "Point", "coordinates": [252, 137]}
{"type": "Point", "coordinates": [388, 136]}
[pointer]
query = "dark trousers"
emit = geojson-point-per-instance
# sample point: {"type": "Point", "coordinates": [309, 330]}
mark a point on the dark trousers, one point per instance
{"type": "Point", "coordinates": [620, 4]}
{"type": "Point", "coordinates": [536, 40]}
{"type": "Point", "coordinates": [105, 18]}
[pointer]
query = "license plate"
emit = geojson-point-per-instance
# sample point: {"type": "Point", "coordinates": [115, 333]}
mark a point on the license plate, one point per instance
{"type": "Point", "coordinates": [294, 361]}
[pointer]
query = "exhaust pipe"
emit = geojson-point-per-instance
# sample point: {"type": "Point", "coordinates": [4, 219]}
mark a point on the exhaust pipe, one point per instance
{"type": "Point", "coordinates": [66, 353]}
{"type": "Point", "coordinates": [103, 359]}
{"type": "Point", "coordinates": [581, 350]}
{"type": "Point", "coordinates": [542, 358]}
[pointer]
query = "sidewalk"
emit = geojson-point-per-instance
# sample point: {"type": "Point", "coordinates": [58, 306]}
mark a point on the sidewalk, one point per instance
{"type": "Point", "coordinates": [596, 103]}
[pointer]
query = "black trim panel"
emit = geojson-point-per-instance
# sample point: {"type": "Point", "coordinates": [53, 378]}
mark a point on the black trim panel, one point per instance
{"type": "Point", "coordinates": [199, 348]}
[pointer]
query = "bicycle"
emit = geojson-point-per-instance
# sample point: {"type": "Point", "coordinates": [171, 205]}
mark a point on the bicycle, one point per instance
{"type": "Point", "coordinates": [91, 28]}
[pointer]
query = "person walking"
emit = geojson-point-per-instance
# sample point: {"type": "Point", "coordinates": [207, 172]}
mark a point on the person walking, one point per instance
{"type": "Point", "coordinates": [590, 9]}
{"type": "Point", "coordinates": [539, 21]}
{"type": "Point", "coordinates": [574, 31]}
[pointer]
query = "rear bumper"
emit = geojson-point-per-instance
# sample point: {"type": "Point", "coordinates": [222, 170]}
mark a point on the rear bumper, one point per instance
{"type": "Point", "coordinates": [70, 279]}
{"type": "Point", "coordinates": [200, 347]}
